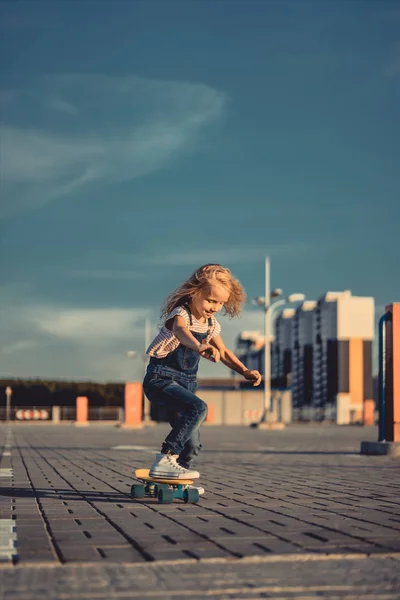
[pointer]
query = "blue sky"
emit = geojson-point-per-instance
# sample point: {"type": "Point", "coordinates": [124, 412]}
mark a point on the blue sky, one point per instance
{"type": "Point", "coordinates": [142, 139]}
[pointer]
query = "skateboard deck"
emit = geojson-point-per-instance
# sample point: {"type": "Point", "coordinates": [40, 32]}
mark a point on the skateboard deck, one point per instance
{"type": "Point", "coordinates": [144, 475]}
{"type": "Point", "coordinates": [163, 489]}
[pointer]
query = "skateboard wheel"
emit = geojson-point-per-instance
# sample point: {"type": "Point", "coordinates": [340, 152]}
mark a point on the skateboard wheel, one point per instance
{"type": "Point", "coordinates": [191, 495]}
{"type": "Point", "coordinates": [165, 496]}
{"type": "Point", "coordinates": [137, 491]}
{"type": "Point", "coordinates": [158, 487]}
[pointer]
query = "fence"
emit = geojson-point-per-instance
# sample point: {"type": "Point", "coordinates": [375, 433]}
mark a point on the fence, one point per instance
{"type": "Point", "coordinates": [105, 413]}
{"type": "Point", "coordinates": [242, 407]}
{"type": "Point", "coordinates": [26, 413]}
{"type": "Point", "coordinates": [66, 413]}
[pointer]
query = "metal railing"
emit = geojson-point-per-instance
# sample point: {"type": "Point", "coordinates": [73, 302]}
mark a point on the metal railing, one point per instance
{"type": "Point", "coordinates": [26, 413]}
{"type": "Point", "coordinates": [104, 413]}
{"type": "Point", "coordinates": [67, 413]}
{"type": "Point", "coordinates": [382, 374]}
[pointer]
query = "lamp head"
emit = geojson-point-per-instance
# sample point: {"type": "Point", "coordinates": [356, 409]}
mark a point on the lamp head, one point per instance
{"type": "Point", "coordinates": [296, 298]}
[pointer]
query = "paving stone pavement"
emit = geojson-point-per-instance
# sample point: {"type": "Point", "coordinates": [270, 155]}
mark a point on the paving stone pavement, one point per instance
{"type": "Point", "coordinates": [297, 513]}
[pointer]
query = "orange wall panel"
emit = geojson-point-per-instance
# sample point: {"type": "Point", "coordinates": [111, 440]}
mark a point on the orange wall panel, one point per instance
{"type": "Point", "coordinates": [133, 404]}
{"type": "Point", "coordinates": [356, 370]}
{"type": "Point", "coordinates": [369, 412]}
{"type": "Point", "coordinates": [82, 409]}
{"type": "Point", "coordinates": [210, 418]}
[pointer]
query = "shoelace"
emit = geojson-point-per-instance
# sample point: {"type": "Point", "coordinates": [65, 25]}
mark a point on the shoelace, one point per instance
{"type": "Point", "coordinates": [172, 460]}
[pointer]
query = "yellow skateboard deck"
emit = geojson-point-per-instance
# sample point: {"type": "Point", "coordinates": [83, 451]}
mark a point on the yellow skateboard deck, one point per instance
{"type": "Point", "coordinates": [143, 475]}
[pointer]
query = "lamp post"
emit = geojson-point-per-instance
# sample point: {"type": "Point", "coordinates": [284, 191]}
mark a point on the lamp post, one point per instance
{"type": "Point", "coordinates": [133, 355]}
{"type": "Point", "coordinates": [268, 307]}
{"type": "Point", "coordinates": [8, 402]}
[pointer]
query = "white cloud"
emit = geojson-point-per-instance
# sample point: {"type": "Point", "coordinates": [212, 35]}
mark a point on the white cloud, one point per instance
{"type": "Point", "coordinates": [92, 128]}
{"type": "Point", "coordinates": [34, 156]}
{"type": "Point", "coordinates": [72, 343]}
{"type": "Point", "coordinates": [393, 70]}
{"type": "Point", "coordinates": [61, 105]}
{"type": "Point", "coordinates": [18, 346]}
{"type": "Point", "coordinates": [86, 326]}
{"type": "Point", "coordinates": [228, 254]}
{"type": "Point", "coordinates": [82, 343]}
{"type": "Point", "coordinates": [126, 265]}
{"type": "Point", "coordinates": [116, 274]}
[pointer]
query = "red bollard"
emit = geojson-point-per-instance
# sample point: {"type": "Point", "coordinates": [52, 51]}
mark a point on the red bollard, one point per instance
{"type": "Point", "coordinates": [369, 412]}
{"type": "Point", "coordinates": [133, 401]}
{"type": "Point", "coordinates": [210, 418]}
{"type": "Point", "coordinates": [82, 411]}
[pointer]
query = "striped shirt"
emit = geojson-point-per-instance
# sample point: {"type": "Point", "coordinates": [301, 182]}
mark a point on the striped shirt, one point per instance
{"type": "Point", "coordinates": [166, 342]}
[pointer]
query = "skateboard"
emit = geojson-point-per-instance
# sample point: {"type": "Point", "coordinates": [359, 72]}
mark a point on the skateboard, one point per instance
{"type": "Point", "coordinates": [163, 489]}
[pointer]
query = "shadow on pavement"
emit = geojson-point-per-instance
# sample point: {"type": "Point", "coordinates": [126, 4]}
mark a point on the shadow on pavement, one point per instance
{"type": "Point", "coordinates": [213, 450]}
{"type": "Point", "coordinates": [298, 452]}
{"type": "Point", "coordinates": [65, 495]}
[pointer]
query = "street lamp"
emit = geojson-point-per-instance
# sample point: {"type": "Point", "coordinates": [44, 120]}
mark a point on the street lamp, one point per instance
{"type": "Point", "coordinates": [8, 402]}
{"type": "Point", "coordinates": [268, 307]}
{"type": "Point", "coordinates": [133, 354]}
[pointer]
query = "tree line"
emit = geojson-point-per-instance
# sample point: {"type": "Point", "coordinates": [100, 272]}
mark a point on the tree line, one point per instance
{"type": "Point", "coordinates": [39, 392]}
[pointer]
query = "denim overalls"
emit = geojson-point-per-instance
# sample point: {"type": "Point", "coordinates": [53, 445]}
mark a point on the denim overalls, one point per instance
{"type": "Point", "coordinates": [171, 382]}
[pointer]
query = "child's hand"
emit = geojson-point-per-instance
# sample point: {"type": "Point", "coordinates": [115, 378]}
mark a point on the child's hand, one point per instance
{"type": "Point", "coordinates": [253, 376]}
{"type": "Point", "coordinates": [209, 352]}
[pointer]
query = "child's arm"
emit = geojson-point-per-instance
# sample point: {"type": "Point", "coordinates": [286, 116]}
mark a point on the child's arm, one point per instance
{"type": "Point", "coordinates": [229, 359]}
{"type": "Point", "coordinates": [180, 331]}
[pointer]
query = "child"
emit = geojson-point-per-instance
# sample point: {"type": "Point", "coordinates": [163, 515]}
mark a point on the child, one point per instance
{"type": "Point", "coordinates": [190, 330]}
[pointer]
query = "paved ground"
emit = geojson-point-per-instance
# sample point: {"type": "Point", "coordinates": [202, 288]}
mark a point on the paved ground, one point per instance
{"type": "Point", "coordinates": [297, 513]}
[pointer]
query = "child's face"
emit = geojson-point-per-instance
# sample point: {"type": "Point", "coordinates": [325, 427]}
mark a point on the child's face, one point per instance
{"type": "Point", "coordinates": [209, 301]}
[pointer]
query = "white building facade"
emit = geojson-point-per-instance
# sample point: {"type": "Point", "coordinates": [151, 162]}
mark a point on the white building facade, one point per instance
{"type": "Point", "coordinates": [343, 332]}
{"type": "Point", "coordinates": [324, 348]}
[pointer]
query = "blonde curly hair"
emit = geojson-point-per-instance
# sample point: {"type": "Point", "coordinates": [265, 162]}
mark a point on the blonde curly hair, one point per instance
{"type": "Point", "coordinates": [203, 277]}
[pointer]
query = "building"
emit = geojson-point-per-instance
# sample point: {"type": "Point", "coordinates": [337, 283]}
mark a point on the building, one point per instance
{"type": "Point", "coordinates": [302, 355]}
{"type": "Point", "coordinates": [250, 348]}
{"type": "Point", "coordinates": [324, 349]}
{"type": "Point", "coordinates": [281, 347]}
{"type": "Point", "coordinates": [343, 332]}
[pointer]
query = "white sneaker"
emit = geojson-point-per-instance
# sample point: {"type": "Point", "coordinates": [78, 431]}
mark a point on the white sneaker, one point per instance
{"type": "Point", "coordinates": [166, 467]}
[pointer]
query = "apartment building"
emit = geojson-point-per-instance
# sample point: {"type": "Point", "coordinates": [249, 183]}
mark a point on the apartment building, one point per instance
{"type": "Point", "coordinates": [281, 347]}
{"type": "Point", "coordinates": [343, 332]}
{"type": "Point", "coordinates": [302, 355]}
{"type": "Point", "coordinates": [250, 349]}
{"type": "Point", "coordinates": [324, 348]}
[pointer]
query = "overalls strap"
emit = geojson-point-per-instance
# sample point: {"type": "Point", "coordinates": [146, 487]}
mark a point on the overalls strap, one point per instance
{"type": "Point", "coordinates": [183, 359]}
{"type": "Point", "coordinates": [186, 307]}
